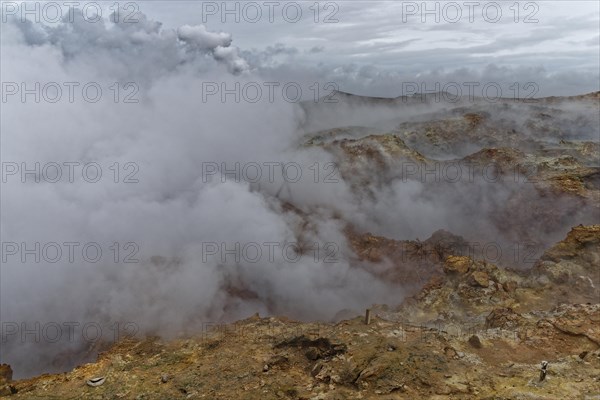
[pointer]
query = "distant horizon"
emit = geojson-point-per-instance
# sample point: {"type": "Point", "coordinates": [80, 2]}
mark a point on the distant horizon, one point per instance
{"type": "Point", "coordinates": [425, 93]}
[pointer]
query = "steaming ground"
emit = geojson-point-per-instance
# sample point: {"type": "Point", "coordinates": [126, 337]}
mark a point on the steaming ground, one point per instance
{"type": "Point", "coordinates": [171, 135]}
{"type": "Point", "coordinates": [171, 211]}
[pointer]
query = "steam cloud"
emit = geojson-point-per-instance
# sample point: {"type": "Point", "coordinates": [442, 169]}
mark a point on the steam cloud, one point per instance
{"type": "Point", "coordinates": [170, 134]}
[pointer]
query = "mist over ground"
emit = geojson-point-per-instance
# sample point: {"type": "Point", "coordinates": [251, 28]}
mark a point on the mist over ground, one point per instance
{"type": "Point", "coordinates": [166, 207]}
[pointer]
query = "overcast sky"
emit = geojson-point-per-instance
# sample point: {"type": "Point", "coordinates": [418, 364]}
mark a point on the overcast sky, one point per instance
{"type": "Point", "coordinates": [376, 45]}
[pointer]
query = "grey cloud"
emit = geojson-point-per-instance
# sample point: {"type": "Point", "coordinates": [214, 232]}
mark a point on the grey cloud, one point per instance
{"type": "Point", "coordinates": [123, 43]}
{"type": "Point", "coordinates": [316, 49]}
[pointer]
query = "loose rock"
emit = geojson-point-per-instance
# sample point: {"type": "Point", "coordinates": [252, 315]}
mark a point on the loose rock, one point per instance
{"type": "Point", "coordinates": [475, 342]}
{"type": "Point", "coordinates": [480, 278]}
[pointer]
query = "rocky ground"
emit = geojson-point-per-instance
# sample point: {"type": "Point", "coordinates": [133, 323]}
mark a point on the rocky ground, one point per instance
{"type": "Point", "coordinates": [475, 331]}
{"type": "Point", "coordinates": [467, 328]}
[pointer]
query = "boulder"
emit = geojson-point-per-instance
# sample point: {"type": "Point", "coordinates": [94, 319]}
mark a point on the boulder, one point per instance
{"type": "Point", "coordinates": [457, 264]}
{"type": "Point", "coordinates": [6, 373]}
